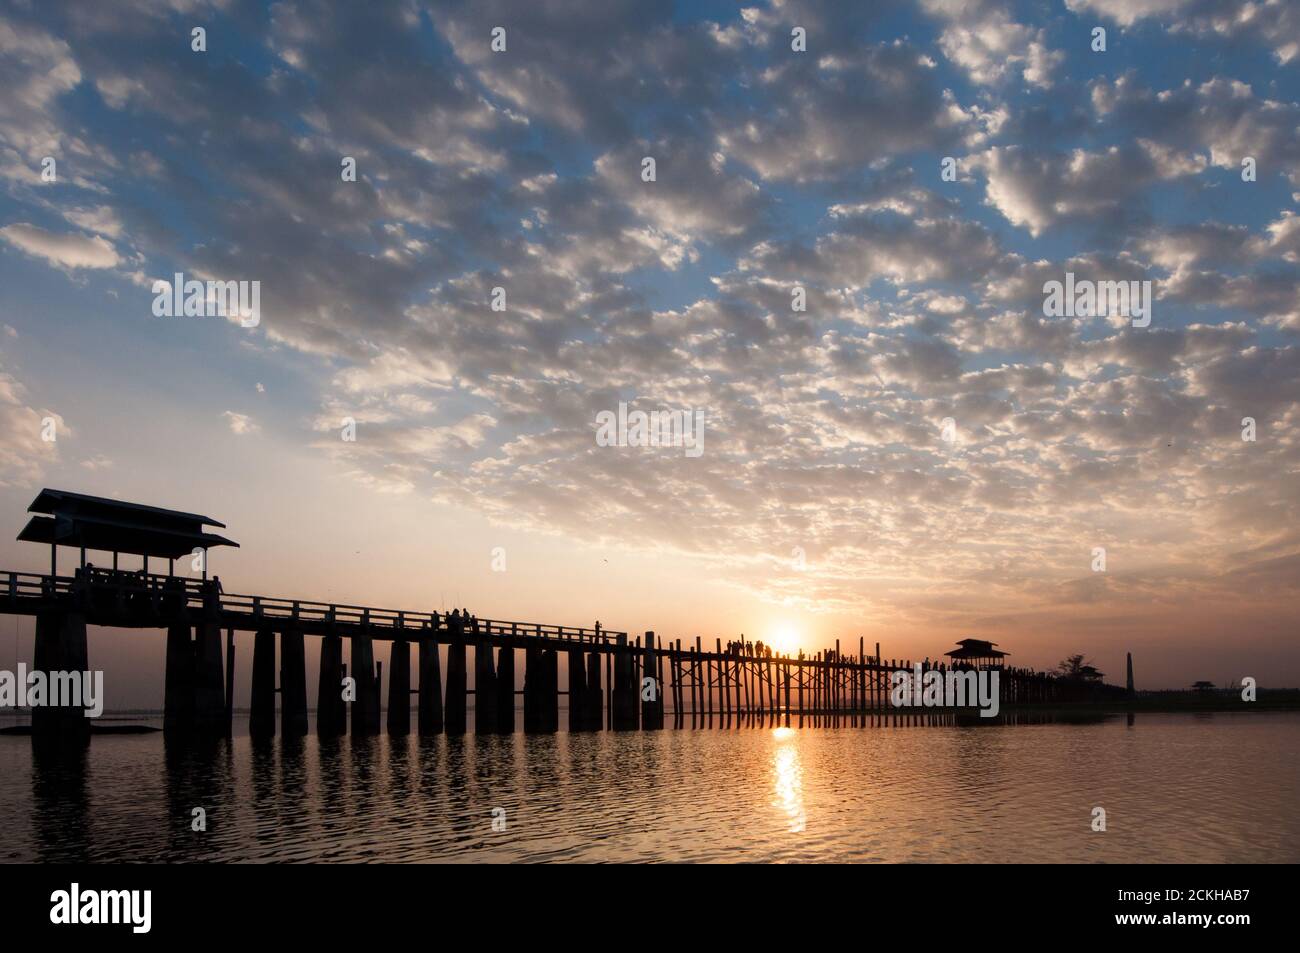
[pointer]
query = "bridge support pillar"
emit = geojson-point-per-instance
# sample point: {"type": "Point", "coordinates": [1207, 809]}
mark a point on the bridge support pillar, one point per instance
{"type": "Point", "coordinates": [625, 695]}
{"type": "Point", "coordinates": [209, 681]}
{"type": "Point", "coordinates": [485, 690]}
{"type": "Point", "coordinates": [261, 720]}
{"type": "Point", "coordinates": [230, 682]}
{"type": "Point", "coordinates": [593, 707]}
{"type": "Point", "coordinates": [454, 716]}
{"type": "Point", "coordinates": [60, 647]}
{"type": "Point", "coordinates": [651, 694]}
{"type": "Point", "coordinates": [293, 684]}
{"type": "Point", "coordinates": [430, 687]}
{"type": "Point", "coordinates": [506, 690]}
{"type": "Point", "coordinates": [365, 709]}
{"type": "Point", "coordinates": [331, 715]}
{"type": "Point", "coordinates": [532, 692]}
{"type": "Point", "coordinates": [399, 688]}
{"type": "Point", "coordinates": [550, 701]}
{"type": "Point", "coordinates": [577, 691]}
{"type": "Point", "coordinates": [178, 690]}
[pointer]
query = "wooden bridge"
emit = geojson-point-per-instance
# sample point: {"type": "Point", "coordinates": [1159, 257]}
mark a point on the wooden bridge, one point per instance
{"type": "Point", "coordinates": [613, 682]}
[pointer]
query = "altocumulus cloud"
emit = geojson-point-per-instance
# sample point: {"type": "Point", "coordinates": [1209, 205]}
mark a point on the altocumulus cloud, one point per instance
{"type": "Point", "coordinates": [522, 171]}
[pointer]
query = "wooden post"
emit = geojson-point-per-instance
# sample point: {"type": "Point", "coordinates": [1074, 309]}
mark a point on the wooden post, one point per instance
{"type": "Point", "coordinates": [230, 682]}
{"type": "Point", "coordinates": [399, 688]}
{"type": "Point", "coordinates": [532, 688]}
{"type": "Point", "coordinates": [742, 689]}
{"type": "Point", "coordinates": [485, 689]}
{"type": "Point", "coordinates": [178, 690]}
{"type": "Point", "coordinates": [837, 686]}
{"type": "Point", "coordinates": [209, 681]}
{"type": "Point", "coordinates": [293, 684]}
{"type": "Point", "coordinates": [801, 680]}
{"type": "Point", "coordinates": [635, 692]}
{"type": "Point", "coordinates": [363, 676]}
{"type": "Point", "coordinates": [506, 690]}
{"type": "Point", "coordinates": [786, 666]}
{"type": "Point", "coordinates": [609, 691]}
{"type": "Point", "coordinates": [765, 687]}
{"type": "Point", "coordinates": [743, 668]}
{"type": "Point", "coordinates": [60, 647]}
{"type": "Point", "coordinates": [679, 695]}
{"type": "Point", "coordinates": [331, 714]}
{"type": "Point", "coordinates": [261, 722]}
{"type": "Point", "coordinates": [675, 673]}
{"type": "Point", "coordinates": [550, 701]}
{"type": "Point", "coordinates": [735, 682]}
{"type": "Point", "coordinates": [577, 690]}
{"type": "Point", "coordinates": [862, 675]}
{"type": "Point", "coordinates": [708, 688]}
{"type": "Point", "coordinates": [773, 695]}
{"type": "Point", "coordinates": [879, 683]}
{"type": "Point", "coordinates": [697, 667]}
{"type": "Point", "coordinates": [724, 687]}
{"type": "Point", "coordinates": [649, 705]}
{"type": "Point", "coordinates": [594, 706]}
{"type": "Point", "coordinates": [624, 694]}
{"type": "Point", "coordinates": [455, 713]}
{"type": "Point", "coordinates": [430, 722]}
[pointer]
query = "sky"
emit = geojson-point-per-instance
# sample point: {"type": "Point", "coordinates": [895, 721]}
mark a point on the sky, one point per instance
{"type": "Point", "coordinates": [922, 454]}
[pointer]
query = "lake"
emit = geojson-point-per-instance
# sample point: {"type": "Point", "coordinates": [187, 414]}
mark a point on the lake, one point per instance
{"type": "Point", "coordinates": [1174, 788]}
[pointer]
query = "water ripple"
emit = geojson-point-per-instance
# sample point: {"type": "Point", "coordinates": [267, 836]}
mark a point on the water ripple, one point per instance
{"type": "Point", "coordinates": [1174, 788]}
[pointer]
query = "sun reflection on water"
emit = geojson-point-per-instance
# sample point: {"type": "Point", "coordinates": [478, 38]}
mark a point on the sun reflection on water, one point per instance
{"type": "Point", "coordinates": [787, 779]}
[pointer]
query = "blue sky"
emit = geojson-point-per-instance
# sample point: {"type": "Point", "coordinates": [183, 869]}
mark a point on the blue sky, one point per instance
{"type": "Point", "coordinates": [521, 169]}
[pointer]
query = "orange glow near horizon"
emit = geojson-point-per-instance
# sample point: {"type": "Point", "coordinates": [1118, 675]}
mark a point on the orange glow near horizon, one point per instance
{"type": "Point", "coordinates": [785, 639]}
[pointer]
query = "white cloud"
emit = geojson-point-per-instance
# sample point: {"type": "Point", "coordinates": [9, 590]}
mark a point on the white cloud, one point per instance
{"type": "Point", "coordinates": [63, 250]}
{"type": "Point", "coordinates": [241, 424]}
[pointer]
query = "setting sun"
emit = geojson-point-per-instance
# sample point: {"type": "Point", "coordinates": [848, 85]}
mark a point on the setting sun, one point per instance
{"type": "Point", "coordinates": [785, 640]}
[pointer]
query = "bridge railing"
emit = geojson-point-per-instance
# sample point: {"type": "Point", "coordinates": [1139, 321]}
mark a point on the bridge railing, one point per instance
{"type": "Point", "coordinates": [17, 585]}
{"type": "Point", "coordinates": [136, 591]}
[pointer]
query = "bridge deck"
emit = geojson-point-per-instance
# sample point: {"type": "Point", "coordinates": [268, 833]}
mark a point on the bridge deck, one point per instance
{"type": "Point", "coordinates": [137, 600]}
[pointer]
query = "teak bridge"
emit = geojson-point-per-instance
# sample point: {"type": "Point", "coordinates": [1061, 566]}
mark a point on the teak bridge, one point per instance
{"type": "Point", "coordinates": [613, 682]}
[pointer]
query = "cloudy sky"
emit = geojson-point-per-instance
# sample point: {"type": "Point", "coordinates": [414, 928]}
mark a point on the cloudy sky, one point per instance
{"type": "Point", "coordinates": [827, 502]}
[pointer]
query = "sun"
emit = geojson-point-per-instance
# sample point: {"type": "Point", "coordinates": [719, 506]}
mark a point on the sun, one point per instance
{"type": "Point", "coordinates": [785, 640]}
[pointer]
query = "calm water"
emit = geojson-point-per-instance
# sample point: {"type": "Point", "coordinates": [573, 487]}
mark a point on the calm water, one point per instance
{"type": "Point", "coordinates": [1218, 788]}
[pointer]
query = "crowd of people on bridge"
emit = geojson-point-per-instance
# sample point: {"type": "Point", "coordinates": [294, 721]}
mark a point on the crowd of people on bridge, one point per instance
{"type": "Point", "coordinates": [748, 649]}
{"type": "Point", "coordinates": [138, 589]}
{"type": "Point", "coordinates": [459, 621]}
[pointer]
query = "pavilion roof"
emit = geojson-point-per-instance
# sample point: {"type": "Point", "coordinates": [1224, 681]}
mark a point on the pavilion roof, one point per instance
{"type": "Point", "coordinates": [976, 648]}
{"type": "Point", "coordinates": [96, 522]}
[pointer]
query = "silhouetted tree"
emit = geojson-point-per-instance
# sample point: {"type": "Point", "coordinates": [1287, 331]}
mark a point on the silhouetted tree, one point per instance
{"type": "Point", "coordinates": [1073, 667]}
